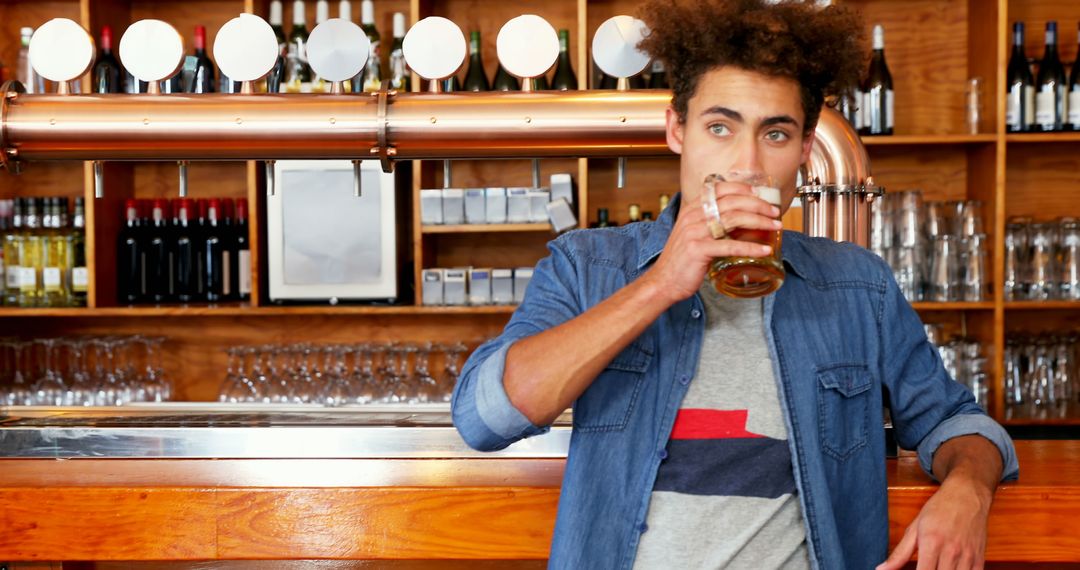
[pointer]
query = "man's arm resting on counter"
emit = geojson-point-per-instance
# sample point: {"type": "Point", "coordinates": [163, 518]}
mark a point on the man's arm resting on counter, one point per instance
{"type": "Point", "coordinates": [972, 459]}
{"type": "Point", "coordinates": [546, 372]}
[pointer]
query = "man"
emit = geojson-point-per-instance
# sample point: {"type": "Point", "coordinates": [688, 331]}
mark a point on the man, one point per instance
{"type": "Point", "coordinates": [718, 432]}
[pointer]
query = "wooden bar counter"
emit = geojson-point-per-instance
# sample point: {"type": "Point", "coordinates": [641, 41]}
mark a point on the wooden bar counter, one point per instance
{"type": "Point", "coordinates": [407, 509]}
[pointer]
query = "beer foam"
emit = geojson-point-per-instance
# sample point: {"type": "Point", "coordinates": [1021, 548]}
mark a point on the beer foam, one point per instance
{"type": "Point", "coordinates": [770, 195]}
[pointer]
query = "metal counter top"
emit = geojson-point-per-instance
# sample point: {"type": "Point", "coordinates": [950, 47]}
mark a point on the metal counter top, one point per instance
{"type": "Point", "coordinates": [229, 431]}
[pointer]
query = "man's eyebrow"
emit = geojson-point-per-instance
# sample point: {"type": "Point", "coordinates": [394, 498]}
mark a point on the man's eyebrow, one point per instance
{"type": "Point", "coordinates": [729, 113]}
{"type": "Point", "coordinates": [780, 120]}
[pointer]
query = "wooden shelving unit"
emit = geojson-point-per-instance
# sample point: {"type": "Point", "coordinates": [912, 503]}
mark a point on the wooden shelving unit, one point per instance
{"type": "Point", "coordinates": [933, 48]}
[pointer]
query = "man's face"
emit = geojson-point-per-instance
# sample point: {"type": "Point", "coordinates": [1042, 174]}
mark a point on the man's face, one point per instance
{"type": "Point", "coordinates": [740, 120]}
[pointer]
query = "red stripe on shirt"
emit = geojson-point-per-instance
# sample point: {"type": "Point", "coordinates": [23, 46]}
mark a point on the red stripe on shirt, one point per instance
{"type": "Point", "coordinates": [693, 423]}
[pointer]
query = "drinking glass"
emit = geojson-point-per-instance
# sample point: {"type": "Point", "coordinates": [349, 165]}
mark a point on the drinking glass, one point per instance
{"type": "Point", "coordinates": [745, 277]}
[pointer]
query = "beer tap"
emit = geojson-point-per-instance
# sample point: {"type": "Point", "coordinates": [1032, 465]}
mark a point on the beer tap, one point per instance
{"type": "Point", "coordinates": [62, 51]}
{"type": "Point", "coordinates": [615, 51]}
{"type": "Point", "coordinates": [435, 48]}
{"type": "Point", "coordinates": [337, 51]}
{"type": "Point", "coordinates": [153, 51]}
{"type": "Point", "coordinates": [527, 46]}
{"type": "Point", "coordinates": [246, 50]}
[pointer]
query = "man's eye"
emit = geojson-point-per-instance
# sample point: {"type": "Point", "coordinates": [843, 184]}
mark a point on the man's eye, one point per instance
{"type": "Point", "coordinates": [719, 129]}
{"type": "Point", "coordinates": [776, 136]}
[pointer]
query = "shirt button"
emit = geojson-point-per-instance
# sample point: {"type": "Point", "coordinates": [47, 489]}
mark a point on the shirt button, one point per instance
{"type": "Point", "coordinates": [643, 527]}
{"type": "Point", "coordinates": [695, 313]}
{"type": "Point", "coordinates": [684, 379]}
{"type": "Point", "coordinates": [662, 454]}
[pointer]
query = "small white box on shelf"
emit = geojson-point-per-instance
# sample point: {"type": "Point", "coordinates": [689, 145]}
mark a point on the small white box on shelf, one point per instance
{"type": "Point", "coordinates": [495, 209]}
{"type": "Point", "coordinates": [538, 201]}
{"type": "Point", "coordinates": [453, 205]}
{"type": "Point", "coordinates": [518, 208]}
{"type": "Point", "coordinates": [561, 215]}
{"type": "Point", "coordinates": [431, 208]}
{"type": "Point", "coordinates": [562, 186]}
{"type": "Point", "coordinates": [479, 286]}
{"type": "Point", "coordinates": [522, 276]}
{"type": "Point", "coordinates": [475, 206]}
{"type": "Point", "coordinates": [502, 286]}
{"type": "Point", "coordinates": [455, 286]}
{"type": "Point", "coordinates": [432, 291]}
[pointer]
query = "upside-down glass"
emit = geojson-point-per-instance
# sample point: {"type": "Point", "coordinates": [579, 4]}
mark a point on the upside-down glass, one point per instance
{"type": "Point", "coordinates": [746, 277]}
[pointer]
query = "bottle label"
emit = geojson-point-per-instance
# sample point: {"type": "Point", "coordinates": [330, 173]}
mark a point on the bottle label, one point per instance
{"type": "Point", "coordinates": [12, 276]}
{"type": "Point", "coordinates": [657, 66]}
{"type": "Point", "coordinates": [889, 109]}
{"type": "Point", "coordinates": [80, 279]}
{"type": "Point", "coordinates": [859, 104]}
{"type": "Point", "coordinates": [27, 279]}
{"type": "Point", "coordinates": [1029, 106]}
{"type": "Point", "coordinates": [1012, 107]}
{"type": "Point", "coordinates": [51, 278]}
{"type": "Point", "coordinates": [245, 272]}
{"type": "Point", "coordinates": [1074, 107]}
{"type": "Point", "coordinates": [1044, 108]}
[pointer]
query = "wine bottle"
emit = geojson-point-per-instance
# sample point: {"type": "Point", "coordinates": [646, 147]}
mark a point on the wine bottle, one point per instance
{"type": "Point", "coordinates": [504, 81]}
{"type": "Point", "coordinates": [399, 71]}
{"type": "Point", "coordinates": [658, 78]}
{"type": "Point", "coordinates": [203, 81]}
{"type": "Point", "coordinates": [12, 250]}
{"type": "Point", "coordinates": [451, 84]}
{"type": "Point", "coordinates": [130, 278]}
{"type": "Point", "coordinates": [564, 78]}
{"type": "Point", "coordinates": [1050, 86]}
{"type": "Point", "coordinates": [475, 78]}
{"type": "Point", "coordinates": [186, 260]}
{"type": "Point", "coordinates": [373, 69]}
{"type": "Point", "coordinates": [214, 245]}
{"type": "Point", "coordinates": [1020, 93]}
{"type": "Point", "coordinates": [634, 213]}
{"type": "Point", "coordinates": [878, 90]}
{"type": "Point", "coordinates": [242, 275]}
{"type": "Point", "coordinates": [25, 73]}
{"type": "Point", "coordinates": [277, 74]}
{"type": "Point", "coordinates": [78, 276]}
{"type": "Point", "coordinates": [159, 253]}
{"type": "Point", "coordinates": [108, 75]}
{"type": "Point", "coordinates": [603, 219]}
{"type": "Point", "coordinates": [32, 254]}
{"type": "Point", "coordinates": [297, 71]}
{"type": "Point", "coordinates": [1074, 87]}
{"type": "Point", "coordinates": [322, 14]}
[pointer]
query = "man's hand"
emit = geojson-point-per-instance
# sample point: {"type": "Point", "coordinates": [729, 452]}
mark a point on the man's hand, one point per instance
{"type": "Point", "coordinates": [692, 247]}
{"type": "Point", "coordinates": [950, 530]}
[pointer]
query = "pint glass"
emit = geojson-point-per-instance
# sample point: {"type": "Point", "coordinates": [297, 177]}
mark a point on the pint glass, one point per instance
{"type": "Point", "coordinates": [747, 277]}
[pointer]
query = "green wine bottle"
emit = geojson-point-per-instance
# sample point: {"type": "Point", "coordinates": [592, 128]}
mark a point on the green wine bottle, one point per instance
{"type": "Point", "coordinates": [475, 79]}
{"type": "Point", "coordinates": [564, 78]}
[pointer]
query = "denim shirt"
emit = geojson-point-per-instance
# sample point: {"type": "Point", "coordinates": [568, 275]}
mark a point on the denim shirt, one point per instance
{"type": "Point", "coordinates": [841, 338]}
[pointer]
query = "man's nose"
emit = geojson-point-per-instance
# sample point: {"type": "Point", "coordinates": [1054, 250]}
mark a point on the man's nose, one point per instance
{"type": "Point", "coordinates": [748, 157]}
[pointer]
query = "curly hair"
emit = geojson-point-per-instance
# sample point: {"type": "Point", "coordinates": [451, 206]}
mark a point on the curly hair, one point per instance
{"type": "Point", "coordinates": [820, 48]}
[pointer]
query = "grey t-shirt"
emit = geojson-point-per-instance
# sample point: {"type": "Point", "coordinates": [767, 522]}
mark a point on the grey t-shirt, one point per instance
{"type": "Point", "coordinates": [725, 495]}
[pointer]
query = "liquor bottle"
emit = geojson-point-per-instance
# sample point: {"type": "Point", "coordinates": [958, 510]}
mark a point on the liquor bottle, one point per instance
{"type": "Point", "coordinates": [78, 276]}
{"type": "Point", "coordinates": [603, 219]}
{"type": "Point", "coordinates": [564, 78]}
{"type": "Point", "coordinates": [1020, 89]}
{"type": "Point", "coordinates": [277, 74]}
{"type": "Point", "coordinates": [214, 246]}
{"type": "Point", "coordinates": [322, 14]}
{"type": "Point", "coordinates": [646, 216]}
{"type": "Point", "coordinates": [658, 78]}
{"type": "Point", "coordinates": [634, 213]}
{"type": "Point", "coordinates": [878, 90]}
{"type": "Point", "coordinates": [1050, 86]}
{"type": "Point", "coordinates": [31, 254]}
{"type": "Point", "coordinates": [130, 275]}
{"type": "Point", "coordinates": [204, 81]}
{"type": "Point", "coordinates": [475, 78]}
{"type": "Point", "coordinates": [242, 275]}
{"type": "Point", "coordinates": [664, 201]}
{"type": "Point", "coordinates": [504, 81]}
{"type": "Point", "coordinates": [297, 71]}
{"type": "Point", "coordinates": [6, 207]}
{"type": "Point", "coordinates": [12, 248]}
{"type": "Point", "coordinates": [1074, 87]}
{"type": "Point", "coordinates": [399, 70]}
{"type": "Point", "coordinates": [108, 75]}
{"type": "Point", "coordinates": [25, 74]}
{"type": "Point", "coordinates": [373, 69]}
{"type": "Point", "coordinates": [451, 84]}
{"type": "Point", "coordinates": [55, 291]}
{"type": "Point", "coordinates": [186, 259]}
{"type": "Point", "coordinates": [157, 246]}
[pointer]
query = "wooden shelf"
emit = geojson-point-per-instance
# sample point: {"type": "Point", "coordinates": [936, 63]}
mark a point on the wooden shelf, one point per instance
{"type": "Point", "coordinates": [896, 140]}
{"type": "Point", "coordinates": [485, 228]}
{"type": "Point", "coordinates": [1042, 138]}
{"type": "Point", "coordinates": [958, 306]}
{"type": "Point", "coordinates": [1042, 305]}
{"type": "Point", "coordinates": [248, 311]}
{"type": "Point", "coordinates": [1071, 418]}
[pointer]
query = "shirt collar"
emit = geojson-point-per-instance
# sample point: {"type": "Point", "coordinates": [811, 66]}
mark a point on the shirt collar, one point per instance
{"type": "Point", "coordinates": [792, 248]}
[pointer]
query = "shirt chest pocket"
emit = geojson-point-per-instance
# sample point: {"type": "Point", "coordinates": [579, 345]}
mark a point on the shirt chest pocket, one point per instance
{"type": "Point", "coordinates": [844, 397]}
{"type": "Point", "coordinates": [609, 401]}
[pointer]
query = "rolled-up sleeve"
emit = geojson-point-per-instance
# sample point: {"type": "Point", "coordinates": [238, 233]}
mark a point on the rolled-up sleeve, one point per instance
{"type": "Point", "coordinates": [481, 409]}
{"type": "Point", "coordinates": [970, 424]}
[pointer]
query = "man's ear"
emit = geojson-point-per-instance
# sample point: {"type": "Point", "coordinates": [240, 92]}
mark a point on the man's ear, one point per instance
{"type": "Point", "coordinates": [674, 131]}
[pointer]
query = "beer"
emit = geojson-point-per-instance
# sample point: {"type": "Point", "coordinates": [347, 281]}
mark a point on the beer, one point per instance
{"type": "Point", "coordinates": [747, 277]}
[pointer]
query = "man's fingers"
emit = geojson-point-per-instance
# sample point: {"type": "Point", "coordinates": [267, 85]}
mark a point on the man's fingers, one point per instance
{"type": "Point", "coordinates": [903, 551]}
{"type": "Point", "coordinates": [929, 553]}
{"type": "Point", "coordinates": [734, 248]}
